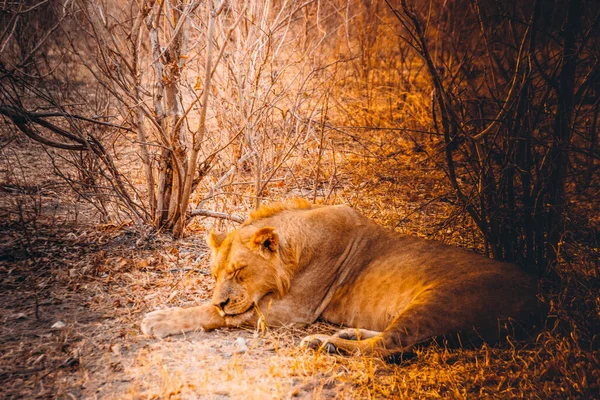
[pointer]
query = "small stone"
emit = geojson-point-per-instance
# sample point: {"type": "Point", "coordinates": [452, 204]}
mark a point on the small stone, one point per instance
{"type": "Point", "coordinates": [58, 325]}
{"type": "Point", "coordinates": [116, 349]}
{"type": "Point", "coordinates": [20, 315]}
{"type": "Point", "coordinates": [241, 345]}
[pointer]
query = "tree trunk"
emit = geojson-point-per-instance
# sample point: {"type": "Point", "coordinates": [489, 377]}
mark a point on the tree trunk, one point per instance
{"type": "Point", "coordinates": [559, 153]}
{"type": "Point", "coordinates": [188, 178]}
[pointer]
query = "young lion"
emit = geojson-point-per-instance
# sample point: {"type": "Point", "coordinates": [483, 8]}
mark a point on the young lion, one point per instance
{"type": "Point", "coordinates": [295, 263]}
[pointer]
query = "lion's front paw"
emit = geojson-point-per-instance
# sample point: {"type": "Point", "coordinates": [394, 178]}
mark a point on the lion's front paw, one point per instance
{"type": "Point", "coordinates": [318, 342]}
{"type": "Point", "coordinates": [165, 322]}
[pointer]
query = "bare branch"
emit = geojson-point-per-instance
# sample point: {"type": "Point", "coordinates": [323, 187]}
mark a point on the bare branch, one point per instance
{"type": "Point", "coordinates": [215, 214]}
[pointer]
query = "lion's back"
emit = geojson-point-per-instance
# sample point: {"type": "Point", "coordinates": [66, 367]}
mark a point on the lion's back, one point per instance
{"type": "Point", "coordinates": [353, 272]}
{"type": "Point", "coordinates": [397, 270]}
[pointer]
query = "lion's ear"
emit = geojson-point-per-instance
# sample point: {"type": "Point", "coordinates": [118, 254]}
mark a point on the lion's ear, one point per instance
{"type": "Point", "coordinates": [215, 238]}
{"type": "Point", "coordinates": [265, 240]}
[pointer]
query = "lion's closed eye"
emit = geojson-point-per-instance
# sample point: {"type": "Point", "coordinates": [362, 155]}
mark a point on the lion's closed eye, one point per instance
{"type": "Point", "coordinates": [236, 274]}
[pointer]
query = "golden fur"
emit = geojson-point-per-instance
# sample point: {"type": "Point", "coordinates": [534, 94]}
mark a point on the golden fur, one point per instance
{"type": "Point", "coordinates": [293, 263]}
{"type": "Point", "coordinates": [268, 210]}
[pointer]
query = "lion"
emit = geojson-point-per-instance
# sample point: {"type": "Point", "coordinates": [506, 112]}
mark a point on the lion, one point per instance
{"type": "Point", "coordinates": [296, 263]}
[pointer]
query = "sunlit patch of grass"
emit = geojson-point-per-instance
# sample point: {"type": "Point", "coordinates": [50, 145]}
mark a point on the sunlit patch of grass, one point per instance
{"type": "Point", "coordinates": [117, 361]}
{"type": "Point", "coordinates": [208, 364]}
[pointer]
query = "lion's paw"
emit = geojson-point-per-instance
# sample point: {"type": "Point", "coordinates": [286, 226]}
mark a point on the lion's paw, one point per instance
{"type": "Point", "coordinates": [349, 334]}
{"type": "Point", "coordinates": [356, 334]}
{"type": "Point", "coordinates": [318, 342]}
{"type": "Point", "coordinates": [163, 323]}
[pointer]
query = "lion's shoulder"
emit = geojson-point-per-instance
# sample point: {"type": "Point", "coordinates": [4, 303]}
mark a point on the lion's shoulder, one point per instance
{"type": "Point", "coordinates": [272, 209]}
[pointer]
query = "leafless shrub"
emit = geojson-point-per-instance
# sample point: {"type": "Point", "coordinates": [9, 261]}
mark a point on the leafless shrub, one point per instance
{"type": "Point", "coordinates": [510, 100]}
{"type": "Point", "coordinates": [180, 82]}
{"type": "Point", "coordinates": [33, 66]}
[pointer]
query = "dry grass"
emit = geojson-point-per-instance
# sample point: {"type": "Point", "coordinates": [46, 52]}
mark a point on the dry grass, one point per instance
{"type": "Point", "coordinates": [101, 352]}
{"type": "Point", "coordinates": [99, 280]}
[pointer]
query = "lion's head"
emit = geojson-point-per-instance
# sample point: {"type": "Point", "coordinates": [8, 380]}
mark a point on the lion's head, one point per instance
{"type": "Point", "coordinates": [246, 265]}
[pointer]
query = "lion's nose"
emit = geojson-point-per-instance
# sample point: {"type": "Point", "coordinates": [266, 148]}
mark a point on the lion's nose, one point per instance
{"type": "Point", "coordinates": [222, 304]}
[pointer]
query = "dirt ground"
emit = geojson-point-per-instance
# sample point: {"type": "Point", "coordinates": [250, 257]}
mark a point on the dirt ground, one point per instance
{"type": "Point", "coordinates": [73, 292]}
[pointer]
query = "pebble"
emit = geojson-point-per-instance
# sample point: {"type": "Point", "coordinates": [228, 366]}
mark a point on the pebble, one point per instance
{"type": "Point", "coordinates": [241, 345]}
{"type": "Point", "coordinates": [58, 325]}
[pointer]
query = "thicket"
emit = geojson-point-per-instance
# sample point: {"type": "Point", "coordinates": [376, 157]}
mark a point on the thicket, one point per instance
{"type": "Point", "coordinates": [198, 97]}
